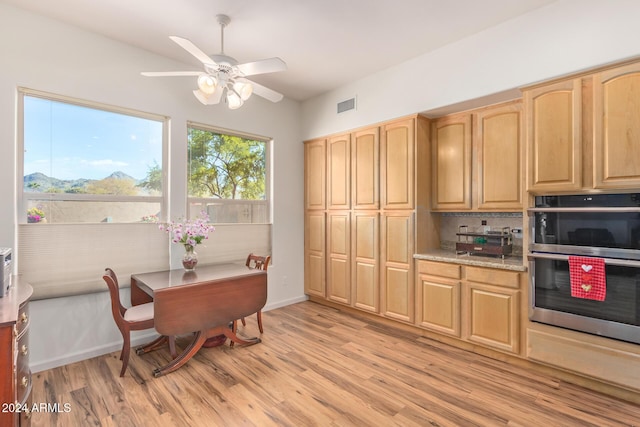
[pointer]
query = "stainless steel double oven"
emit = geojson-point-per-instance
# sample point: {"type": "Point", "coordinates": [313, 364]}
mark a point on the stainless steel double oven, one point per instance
{"type": "Point", "coordinates": [603, 226]}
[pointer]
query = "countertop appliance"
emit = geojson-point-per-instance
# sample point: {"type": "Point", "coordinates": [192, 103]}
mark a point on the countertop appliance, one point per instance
{"type": "Point", "coordinates": [605, 226]}
{"type": "Point", "coordinates": [5, 278]}
{"type": "Point", "coordinates": [496, 242]}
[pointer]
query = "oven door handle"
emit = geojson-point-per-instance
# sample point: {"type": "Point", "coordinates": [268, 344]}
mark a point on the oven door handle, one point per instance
{"type": "Point", "coordinates": [560, 257]}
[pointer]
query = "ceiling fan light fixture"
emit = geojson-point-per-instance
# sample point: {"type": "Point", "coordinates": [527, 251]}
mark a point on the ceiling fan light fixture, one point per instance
{"type": "Point", "coordinates": [234, 101]}
{"type": "Point", "coordinates": [244, 89]}
{"type": "Point", "coordinates": [207, 83]}
{"type": "Point", "coordinates": [201, 96]}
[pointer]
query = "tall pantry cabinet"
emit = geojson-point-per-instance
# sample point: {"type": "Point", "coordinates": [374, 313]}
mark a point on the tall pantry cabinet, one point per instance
{"type": "Point", "coordinates": [360, 233]}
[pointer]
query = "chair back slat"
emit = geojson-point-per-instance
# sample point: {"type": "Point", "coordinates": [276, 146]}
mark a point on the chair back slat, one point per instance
{"type": "Point", "coordinates": [258, 262]}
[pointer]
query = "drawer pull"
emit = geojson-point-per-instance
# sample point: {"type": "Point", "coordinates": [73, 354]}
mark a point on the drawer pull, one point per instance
{"type": "Point", "coordinates": [27, 412]}
{"type": "Point", "coordinates": [24, 350]}
{"type": "Point", "coordinates": [24, 382]}
{"type": "Point", "coordinates": [24, 318]}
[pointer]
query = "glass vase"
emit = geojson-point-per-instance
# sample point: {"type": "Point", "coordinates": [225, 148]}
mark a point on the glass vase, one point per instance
{"type": "Point", "coordinates": [190, 258]}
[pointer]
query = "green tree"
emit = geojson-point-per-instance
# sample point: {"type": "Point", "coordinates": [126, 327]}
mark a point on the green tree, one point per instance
{"type": "Point", "coordinates": [225, 166]}
{"type": "Point", "coordinates": [153, 180]}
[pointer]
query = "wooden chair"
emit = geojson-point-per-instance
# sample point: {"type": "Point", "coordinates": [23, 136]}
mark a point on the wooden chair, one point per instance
{"type": "Point", "coordinates": [261, 263]}
{"type": "Point", "coordinates": [136, 318]}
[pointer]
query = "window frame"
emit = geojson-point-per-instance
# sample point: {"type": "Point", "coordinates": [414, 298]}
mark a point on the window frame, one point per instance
{"type": "Point", "coordinates": [24, 197]}
{"type": "Point", "coordinates": [267, 184]}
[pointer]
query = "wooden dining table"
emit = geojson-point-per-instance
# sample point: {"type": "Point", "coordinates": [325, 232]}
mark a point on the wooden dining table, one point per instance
{"type": "Point", "coordinates": [203, 302]}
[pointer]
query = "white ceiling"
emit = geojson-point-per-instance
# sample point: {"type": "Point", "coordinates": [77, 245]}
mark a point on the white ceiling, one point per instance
{"type": "Point", "coordinates": [325, 43]}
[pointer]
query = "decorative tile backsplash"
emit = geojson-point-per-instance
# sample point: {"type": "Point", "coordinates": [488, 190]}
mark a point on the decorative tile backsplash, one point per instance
{"type": "Point", "coordinates": [451, 221]}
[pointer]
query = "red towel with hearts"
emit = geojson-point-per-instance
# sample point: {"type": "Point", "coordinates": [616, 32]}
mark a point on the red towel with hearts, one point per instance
{"type": "Point", "coordinates": [588, 278]}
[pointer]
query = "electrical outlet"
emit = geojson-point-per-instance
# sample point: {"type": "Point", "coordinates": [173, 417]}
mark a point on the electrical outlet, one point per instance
{"type": "Point", "coordinates": [284, 281]}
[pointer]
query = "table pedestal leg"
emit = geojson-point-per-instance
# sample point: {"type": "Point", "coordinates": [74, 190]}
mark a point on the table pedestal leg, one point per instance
{"type": "Point", "coordinates": [198, 340]}
{"type": "Point", "coordinates": [188, 353]}
{"type": "Point", "coordinates": [156, 344]}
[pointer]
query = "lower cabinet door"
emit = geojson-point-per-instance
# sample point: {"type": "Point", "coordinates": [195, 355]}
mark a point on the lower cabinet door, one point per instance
{"type": "Point", "coordinates": [338, 257]}
{"type": "Point", "coordinates": [439, 307]}
{"type": "Point", "coordinates": [493, 317]}
{"type": "Point", "coordinates": [397, 281]}
{"type": "Point", "coordinates": [365, 263]}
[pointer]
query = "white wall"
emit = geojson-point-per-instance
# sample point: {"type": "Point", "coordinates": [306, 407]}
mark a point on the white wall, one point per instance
{"type": "Point", "coordinates": [42, 54]}
{"type": "Point", "coordinates": [566, 36]}
{"type": "Point", "coordinates": [561, 38]}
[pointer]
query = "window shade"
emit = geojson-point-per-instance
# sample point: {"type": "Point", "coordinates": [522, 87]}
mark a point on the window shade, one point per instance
{"type": "Point", "coordinates": [69, 259]}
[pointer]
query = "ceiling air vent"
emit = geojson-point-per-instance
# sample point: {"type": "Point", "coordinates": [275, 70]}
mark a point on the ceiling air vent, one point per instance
{"type": "Point", "coordinates": [349, 104]}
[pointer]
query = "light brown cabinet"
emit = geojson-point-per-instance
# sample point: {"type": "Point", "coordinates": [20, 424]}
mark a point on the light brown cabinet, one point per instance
{"type": "Point", "coordinates": [366, 265]}
{"type": "Point", "coordinates": [498, 140]}
{"type": "Point", "coordinates": [397, 160]}
{"type": "Point", "coordinates": [583, 133]}
{"type": "Point", "coordinates": [477, 160]}
{"type": "Point", "coordinates": [314, 253]}
{"type": "Point", "coordinates": [493, 308]}
{"type": "Point", "coordinates": [314, 174]}
{"type": "Point", "coordinates": [617, 127]}
{"type": "Point", "coordinates": [369, 216]}
{"type": "Point", "coordinates": [438, 297]}
{"type": "Point", "coordinates": [451, 162]}
{"type": "Point", "coordinates": [554, 136]}
{"type": "Point", "coordinates": [339, 172]}
{"type": "Point", "coordinates": [365, 170]}
{"type": "Point", "coordinates": [475, 304]}
{"type": "Point", "coordinates": [338, 257]}
{"type": "Point", "coordinates": [397, 282]}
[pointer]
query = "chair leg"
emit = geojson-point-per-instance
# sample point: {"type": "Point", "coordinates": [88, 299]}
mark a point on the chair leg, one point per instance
{"type": "Point", "coordinates": [244, 322]}
{"type": "Point", "coordinates": [234, 328]}
{"type": "Point", "coordinates": [172, 347]}
{"type": "Point", "coordinates": [126, 347]}
{"type": "Point", "coordinates": [260, 320]}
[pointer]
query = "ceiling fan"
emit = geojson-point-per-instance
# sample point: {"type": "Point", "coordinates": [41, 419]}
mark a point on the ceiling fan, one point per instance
{"type": "Point", "coordinates": [223, 75]}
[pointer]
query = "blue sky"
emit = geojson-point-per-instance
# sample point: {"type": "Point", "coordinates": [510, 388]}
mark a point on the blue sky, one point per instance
{"type": "Point", "coordinates": [66, 141]}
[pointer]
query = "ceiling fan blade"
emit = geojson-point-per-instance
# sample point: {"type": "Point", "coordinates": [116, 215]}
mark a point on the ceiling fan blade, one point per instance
{"type": "Point", "coordinates": [192, 49]}
{"type": "Point", "coordinates": [265, 92]}
{"type": "Point", "coordinates": [212, 99]}
{"type": "Point", "coordinates": [170, 73]}
{"type": "Point", "coordinates": [270, 65]}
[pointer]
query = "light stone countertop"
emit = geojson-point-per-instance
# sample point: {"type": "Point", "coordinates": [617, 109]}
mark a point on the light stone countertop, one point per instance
{"type": "Point", "coordinates": [513, 263]}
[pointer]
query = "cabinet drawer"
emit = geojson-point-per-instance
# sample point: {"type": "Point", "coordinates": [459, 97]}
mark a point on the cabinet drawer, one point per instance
{"type": "Point", "coordinates": [509, 279]}
{"type": "Point", "coordinates": [23, 374]}
{"type": "Point", "coordinates": [451, 271]}
{"type": "Point", "coordinates": [23, 318]}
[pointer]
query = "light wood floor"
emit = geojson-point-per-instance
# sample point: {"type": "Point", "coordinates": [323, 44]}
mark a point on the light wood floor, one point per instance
{"type": "Point", "coordinates": [319, 366]}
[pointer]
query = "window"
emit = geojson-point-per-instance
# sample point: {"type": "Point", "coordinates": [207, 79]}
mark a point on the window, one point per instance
{"type": "Point", "coordinates": [228, 176]}
{"type": "Point", "coordinates": [88, 163]}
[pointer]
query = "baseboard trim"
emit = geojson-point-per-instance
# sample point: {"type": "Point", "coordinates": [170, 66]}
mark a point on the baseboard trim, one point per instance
{"type": "Point", "coordinates": [89, 353]}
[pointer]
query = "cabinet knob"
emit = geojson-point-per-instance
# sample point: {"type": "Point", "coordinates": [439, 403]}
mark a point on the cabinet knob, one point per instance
{"type": "Point", "coordinates": [24, 382]}
{"type": "Point", "coordinates": [24, 350]}
{"type": "Point", "coordinates": [24, 318]}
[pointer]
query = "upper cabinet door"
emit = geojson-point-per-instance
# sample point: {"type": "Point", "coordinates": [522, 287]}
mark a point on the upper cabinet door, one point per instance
{"type": "Point", "coordinates": [397, 159]}
{"type": "Point", "coordinates": [314, 174]}
{"type": "Point", "coordinates": [339, 172]}
{"type": "Point", "coordinates": [617, 127]}
{"type": "Point", "coordinates": [498, 141]}
{"type": "Point", "coordinates": [451, 162]}
{"type": "Point", "coordinates": [365, 170]}
{"type": "Point", "coordinates": [554, 136]}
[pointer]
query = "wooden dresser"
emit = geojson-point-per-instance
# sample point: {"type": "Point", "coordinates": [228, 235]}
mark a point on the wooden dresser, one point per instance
{"type": "Point", "coordinates": [15, 383]}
